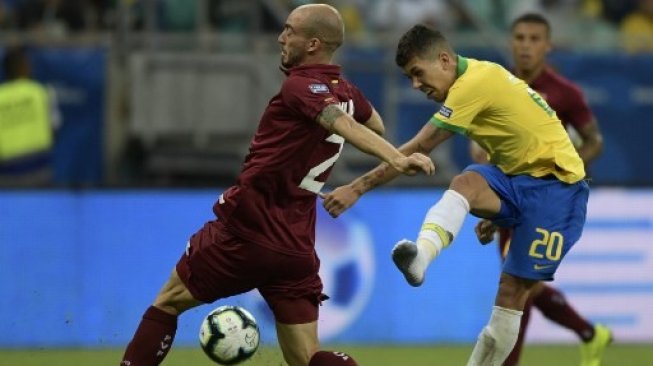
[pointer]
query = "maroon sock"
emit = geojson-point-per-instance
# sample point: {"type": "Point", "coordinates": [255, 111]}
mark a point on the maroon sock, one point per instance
{"type": "Point", "coordinates": [554, 306]}
{"type": "Point", "coordinates": [152, 340]}
{"type": "Point", "coordinates": [515, 354]}
{"type": "Point", "coordinates": [329, 358]}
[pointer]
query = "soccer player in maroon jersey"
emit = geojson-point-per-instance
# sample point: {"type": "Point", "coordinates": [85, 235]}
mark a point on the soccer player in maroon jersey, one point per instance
{"type": "Point", "coordinates": [531, 42]}
{"type": "Point", "coordinates": [264, 234]}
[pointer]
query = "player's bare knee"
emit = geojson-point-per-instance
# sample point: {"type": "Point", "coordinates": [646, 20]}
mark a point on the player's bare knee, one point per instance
{"type": "Point", "coordinates": [467, 185]}
{"type": "Point", "coordinates": [174, 298]}
{"type": "Point", "coordinates": [513, 291]}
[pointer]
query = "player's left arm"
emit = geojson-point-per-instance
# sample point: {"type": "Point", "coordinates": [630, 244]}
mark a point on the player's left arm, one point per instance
{"type": "Point", "coordinates": [592, 144]}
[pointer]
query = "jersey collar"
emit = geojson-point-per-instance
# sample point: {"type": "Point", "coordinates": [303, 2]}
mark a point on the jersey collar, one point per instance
{"type": "Point", "coordinates": [331, 69]}
{"type": "Point", "coordinates": [461, 66]}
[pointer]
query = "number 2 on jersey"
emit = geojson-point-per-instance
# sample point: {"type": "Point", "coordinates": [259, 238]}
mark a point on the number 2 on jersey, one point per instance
{"type": "Point", "coordinates": [309, 182]}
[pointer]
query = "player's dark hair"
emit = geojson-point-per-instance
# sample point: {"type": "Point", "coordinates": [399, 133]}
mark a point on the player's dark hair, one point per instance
{"type": "Point", "coordinates": [14, 61]}
{"type": "Point", "coordinates": [532, 18]}
{"type": "Point", "coordinates": [421, 41]}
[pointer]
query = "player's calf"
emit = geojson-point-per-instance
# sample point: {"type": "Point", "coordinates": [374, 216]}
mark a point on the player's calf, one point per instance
{"type": "Point", "coordinates": [497, 338]}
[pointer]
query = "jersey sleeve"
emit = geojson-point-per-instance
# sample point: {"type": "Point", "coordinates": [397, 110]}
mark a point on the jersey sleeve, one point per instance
{"type": "Point", "coordinates": [362, 106]}
{"type": "Point", "coordinates": [307, 96]}
{"type": "Point", "coordinates": [577, 112]}
{"type": "Point", "coordinates": [463, 103]}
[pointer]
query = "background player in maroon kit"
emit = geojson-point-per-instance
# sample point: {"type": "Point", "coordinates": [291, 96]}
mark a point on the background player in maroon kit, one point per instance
{"type": "Point", "coordinates": [530, 44]}
{"type": "Point", "coordinates": [265, 233]}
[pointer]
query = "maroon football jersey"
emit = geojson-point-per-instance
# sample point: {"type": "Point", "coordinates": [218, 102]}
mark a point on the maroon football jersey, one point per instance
{"type": "Point", "coordinates": [291, 155]}
{"type": "Point", "coordinates": [564, 97]}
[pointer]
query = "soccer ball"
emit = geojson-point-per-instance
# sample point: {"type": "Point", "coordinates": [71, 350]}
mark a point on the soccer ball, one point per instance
{"type": "Point", "coordinates": [229, 335]}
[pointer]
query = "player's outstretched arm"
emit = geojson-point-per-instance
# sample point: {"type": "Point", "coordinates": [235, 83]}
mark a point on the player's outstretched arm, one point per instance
{"type": "Point", "coordinates": [340, 199]}
{"type": "Point", "coordinates": [335, 120]}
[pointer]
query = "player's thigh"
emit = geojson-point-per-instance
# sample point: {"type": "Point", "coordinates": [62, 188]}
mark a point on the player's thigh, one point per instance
{"type": "Point", "coordinates": [483, 200]}
{"type": "Point", "coordinates": [218, 264]}
{"type": "Point", "coordinates": [298, 342]}
{"type": "Point", "coordinates": [174, 297]}
{"type": "Point", "coordinates": [293, 290]}
{"type": "Point", "coordinates": [552, 221]}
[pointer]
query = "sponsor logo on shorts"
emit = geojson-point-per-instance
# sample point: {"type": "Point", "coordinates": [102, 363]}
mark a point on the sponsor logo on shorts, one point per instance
{"type": "Point", "coordinates": [538, 267]}
{"type": "Point", "coordinates": [446, 111]}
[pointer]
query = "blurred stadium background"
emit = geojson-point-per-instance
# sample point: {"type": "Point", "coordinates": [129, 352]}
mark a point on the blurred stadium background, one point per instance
{"type": "Point", "coordinates": [159, 99]}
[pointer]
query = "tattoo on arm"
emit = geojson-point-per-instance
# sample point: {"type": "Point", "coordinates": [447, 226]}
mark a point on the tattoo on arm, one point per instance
{"type": "Point", "coordinates": [373, 179]}
{"type": "Point", "coordinates": [329, 115]}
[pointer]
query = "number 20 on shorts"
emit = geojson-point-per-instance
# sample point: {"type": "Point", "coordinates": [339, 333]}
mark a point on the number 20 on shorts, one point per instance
{"type": "Point", "coordinates": [552, 242]}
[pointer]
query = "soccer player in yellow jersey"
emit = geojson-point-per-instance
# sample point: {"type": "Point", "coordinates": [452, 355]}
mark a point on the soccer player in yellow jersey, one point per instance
{"type": "Point", "coordinates": [530, 44]}
{"type": "Point", "coordinates": [534, 183]}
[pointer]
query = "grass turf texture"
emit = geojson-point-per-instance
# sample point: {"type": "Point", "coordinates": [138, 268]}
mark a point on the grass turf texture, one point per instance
{"type": "Point", "coordinates": [438, 355]}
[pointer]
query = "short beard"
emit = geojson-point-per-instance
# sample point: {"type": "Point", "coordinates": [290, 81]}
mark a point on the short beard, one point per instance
{"type": "Point", "coordinates": [292, 61]}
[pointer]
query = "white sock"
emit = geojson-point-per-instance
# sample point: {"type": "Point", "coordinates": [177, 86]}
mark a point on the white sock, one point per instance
{"type": "Point", "coordinates": [497, 339]}
{"type": "Point", "coordinates": [443, 219]}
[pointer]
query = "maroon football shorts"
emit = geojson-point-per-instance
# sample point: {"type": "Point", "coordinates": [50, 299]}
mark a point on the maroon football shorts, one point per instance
{"type": "Point", "coordinates": [218, 264]}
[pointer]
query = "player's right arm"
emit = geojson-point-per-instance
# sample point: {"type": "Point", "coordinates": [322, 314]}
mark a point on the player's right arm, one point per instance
{"type": "Point", "coordinates": [337, 121]}
{"type": "Point", "coordinates": [343, 197]}
{"type": "Point", "coordinates": [375, 123]}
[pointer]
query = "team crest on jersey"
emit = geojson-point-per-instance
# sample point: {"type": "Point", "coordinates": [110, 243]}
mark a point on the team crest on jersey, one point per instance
{"type": "Point", "coordinates": [446, 111]}
{"type": "Point", "coordinates": [318, 88]}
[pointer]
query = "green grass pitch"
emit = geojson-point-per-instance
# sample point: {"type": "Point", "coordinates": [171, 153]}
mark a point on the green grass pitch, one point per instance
{"type": "Point", "coordinates": [437, 355]}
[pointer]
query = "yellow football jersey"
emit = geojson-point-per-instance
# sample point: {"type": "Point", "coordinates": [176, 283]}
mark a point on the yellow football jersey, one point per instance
{"type": "Point", "coordinates": [508, 119]}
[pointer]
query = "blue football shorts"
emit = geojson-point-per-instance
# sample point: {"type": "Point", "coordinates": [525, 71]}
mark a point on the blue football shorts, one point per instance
{"type": "Point", "coordinates": [545, 214]}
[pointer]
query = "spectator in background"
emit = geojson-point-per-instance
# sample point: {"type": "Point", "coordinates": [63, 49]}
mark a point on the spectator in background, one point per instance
{"type": "Point", "coordinates": [560, 13]}
{"type": "Point", "coordinates": [352, 15]}
{"type": "Point", "coordinates": [53, 17]}
{"type": "Point", "coordinates": [613, 11]}
{"type": "Point", "coordinates": [399, 15]}
{"type": "Point", "coordinates": [7, 17]}
{"type": "Point", "coordinates": [27, 117]}
{"type": "Point", "coordinates": [178, 15]}
{"type": "Point", "coordinates": [576, 21]}
{"type": "Point", "coordinates": [637, 28]}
